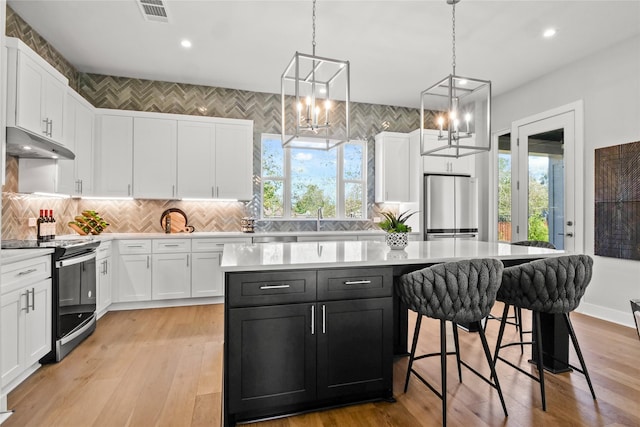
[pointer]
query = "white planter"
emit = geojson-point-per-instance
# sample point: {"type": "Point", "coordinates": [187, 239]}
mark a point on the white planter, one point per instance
{"type": "Point", "coordinates": [397, 241]}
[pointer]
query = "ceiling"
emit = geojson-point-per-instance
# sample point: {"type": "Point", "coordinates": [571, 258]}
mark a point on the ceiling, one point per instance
{"type": "Point", "coordinates": [396, 48]}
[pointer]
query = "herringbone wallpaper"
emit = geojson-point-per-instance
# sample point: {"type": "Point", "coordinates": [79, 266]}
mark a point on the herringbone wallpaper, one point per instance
{"type": "Point", "coordinates": [144, 95]}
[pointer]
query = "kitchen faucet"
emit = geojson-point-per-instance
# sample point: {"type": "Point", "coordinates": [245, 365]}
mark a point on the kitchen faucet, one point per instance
{"type": "Point", "coordinates": [319, 218]}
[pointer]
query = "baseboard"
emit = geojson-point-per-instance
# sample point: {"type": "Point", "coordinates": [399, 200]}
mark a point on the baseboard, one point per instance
{"type": "Point", "coordinates": [139, 305]}
{"type": "Point", "coordinates": [624, 318]}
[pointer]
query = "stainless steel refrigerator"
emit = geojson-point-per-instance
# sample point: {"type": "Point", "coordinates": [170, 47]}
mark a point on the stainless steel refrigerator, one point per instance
{"type": "Point", "coordinates": [450, 207]}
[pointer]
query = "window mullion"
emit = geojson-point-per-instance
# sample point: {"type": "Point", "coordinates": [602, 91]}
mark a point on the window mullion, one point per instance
{"type": "Point", "coordinates": [287, 183]}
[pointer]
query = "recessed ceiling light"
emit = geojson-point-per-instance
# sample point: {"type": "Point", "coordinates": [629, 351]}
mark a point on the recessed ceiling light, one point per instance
{"type": "Point", "coordinates": [549, 32]}
{"type": "Point", "coordinates": [185, 43]}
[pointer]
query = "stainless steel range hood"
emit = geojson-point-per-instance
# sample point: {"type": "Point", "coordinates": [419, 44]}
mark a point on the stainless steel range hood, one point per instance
{"type": "Point", "coordinates": [24, 144]}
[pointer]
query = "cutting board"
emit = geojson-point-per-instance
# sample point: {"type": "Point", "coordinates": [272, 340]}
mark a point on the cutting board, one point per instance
{"type": "Point", "coordinates": [178, 221]}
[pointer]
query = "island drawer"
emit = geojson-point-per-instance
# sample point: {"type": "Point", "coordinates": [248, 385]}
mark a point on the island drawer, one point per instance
{"type": "Point", "coordinates": [338, 284]}
{"type": "Point", "coordinates": [271, 288]}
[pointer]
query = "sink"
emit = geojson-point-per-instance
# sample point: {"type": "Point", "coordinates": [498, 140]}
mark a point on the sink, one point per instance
{"type": "Point", "coordinates": [269, 239]}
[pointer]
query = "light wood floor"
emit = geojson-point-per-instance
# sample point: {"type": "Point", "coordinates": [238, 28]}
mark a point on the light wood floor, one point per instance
{"type": "Point", "coordinates": [163, 367]}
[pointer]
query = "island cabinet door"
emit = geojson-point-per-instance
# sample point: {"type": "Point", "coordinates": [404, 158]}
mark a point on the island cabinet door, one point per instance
{"type": "Point", "coordinates": [272, 358]}
{"type": "Point", "coordinates": [355, 348]}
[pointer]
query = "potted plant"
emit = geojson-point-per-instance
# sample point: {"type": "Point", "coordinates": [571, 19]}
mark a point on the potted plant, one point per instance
{"type": "Point", "coordinates": [396, 229]}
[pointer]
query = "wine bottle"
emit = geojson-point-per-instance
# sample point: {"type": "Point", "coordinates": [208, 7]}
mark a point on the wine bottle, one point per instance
{"type": "Point", "coordinates": [47, 225]}
{"type": "Point", "coordinates": [40, 229]}
{"type": "Point", "coordinates": [52, 224]}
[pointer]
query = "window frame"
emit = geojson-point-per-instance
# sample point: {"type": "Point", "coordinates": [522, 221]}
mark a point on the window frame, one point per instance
{"type": "Point", "coordinates": [341, 214]}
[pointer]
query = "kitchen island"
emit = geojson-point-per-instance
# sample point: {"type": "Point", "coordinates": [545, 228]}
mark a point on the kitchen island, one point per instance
{"type": "Point", "coordinates": [316, 325]}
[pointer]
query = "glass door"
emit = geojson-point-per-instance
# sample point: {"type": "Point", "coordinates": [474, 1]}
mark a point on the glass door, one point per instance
{"type": "Point", "coordinates": [542, 195]}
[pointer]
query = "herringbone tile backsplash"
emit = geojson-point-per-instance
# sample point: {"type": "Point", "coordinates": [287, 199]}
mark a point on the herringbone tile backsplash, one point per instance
{"type": "Point", "coordinates": [102, 91]}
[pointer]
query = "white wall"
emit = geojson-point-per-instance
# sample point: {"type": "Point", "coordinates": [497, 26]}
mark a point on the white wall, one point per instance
{"type": "Point", "coordinates": [609, 84]}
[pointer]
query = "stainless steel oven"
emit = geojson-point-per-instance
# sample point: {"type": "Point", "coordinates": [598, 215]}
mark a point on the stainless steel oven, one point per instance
{"type": "Point", "coordinates": [75, 300]}
{"type": "Point", "coordinates": [73, 293]}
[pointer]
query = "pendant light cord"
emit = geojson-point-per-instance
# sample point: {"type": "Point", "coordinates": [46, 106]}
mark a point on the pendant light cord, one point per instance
{"type": "Point", "coordinates": [313, 34]}
{"type": "Point", "coordinates": [453, 37]}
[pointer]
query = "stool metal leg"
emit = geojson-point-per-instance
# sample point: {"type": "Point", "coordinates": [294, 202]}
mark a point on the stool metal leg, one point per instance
{"type": "Point", "coordinates": [518, 312]}
{"type": "Point", "coordinates": [538, 339]}
{"type": "Point", "coordinates": [574, 339]}
{"type": "Point", "coordinates": [503, 323]}
{"type": "Point", "coordinates": [416, 333]}
{"type": "Point", "coordinates": [492, 365]}
{"type": "Point", "coordinates": [457, 343]}
{"type": "Point", "coordinates": [443, 369]}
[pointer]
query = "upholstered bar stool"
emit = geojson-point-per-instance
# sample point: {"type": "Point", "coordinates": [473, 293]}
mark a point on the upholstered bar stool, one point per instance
{"type": "Point", "coordinates": [517, 311]}
{"type": "Point", "coordinates": [459, 292]}
{"type": "Point", "coordinates": [552, 285]}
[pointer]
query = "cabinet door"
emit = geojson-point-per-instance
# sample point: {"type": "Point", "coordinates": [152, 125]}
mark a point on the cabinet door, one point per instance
{"type": "Point", "coordinates": [272, 358]}
{"type": "Point", "coordinates": [103, 283]}
{"type": "Point", "coordinates": [206, 276]}
{"type": "Point", "coordinates": [83, 125]}
{"type": "Point", "coordinates": [154, 158]}
{"type": "Point", "coordinates": [171, 275]}
{"type": "Point", "coordinates": [355, 351]}
{"type": "Point", "coordinates": [30, 90]}
{"type": "Point", "coordinates": [134, 278]}
{"type": "Point", "coordinates": [234, 162]}
{"type": "Point", "coordinates": [38, 323]}
{"type": "Point", "coordinates": [55, 93]}
{"type": "Point", "coordinates": [10, 334]}
{"type": "Point", "coordinates": [392, 168]}
{"type": "Point", "coordinates": [114, 156]}
{"type": "Point", "coordinates": [196, 159]}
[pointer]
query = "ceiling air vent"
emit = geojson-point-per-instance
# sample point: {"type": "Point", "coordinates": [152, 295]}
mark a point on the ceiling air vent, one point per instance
{"type": "Point", "coordinates": [153, 10]}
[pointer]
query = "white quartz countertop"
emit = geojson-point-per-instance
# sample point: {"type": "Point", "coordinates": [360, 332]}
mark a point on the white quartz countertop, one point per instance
{"type": "Point", "coordinates": [281, 256]}
{"type": "Point", "coordinates": [8, 256]}
{"type": "Point", "coordinates": [221, 234]}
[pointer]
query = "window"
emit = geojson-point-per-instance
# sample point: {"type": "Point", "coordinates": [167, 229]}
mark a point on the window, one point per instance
{"type": "Point", "coordinates": [296, 182]}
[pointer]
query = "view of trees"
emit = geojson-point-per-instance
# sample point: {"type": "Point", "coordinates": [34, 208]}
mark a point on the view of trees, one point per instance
{"type": "Point", "coordinates": [313, 176]}
{"type": "Point", "coordinates": [538, 202]}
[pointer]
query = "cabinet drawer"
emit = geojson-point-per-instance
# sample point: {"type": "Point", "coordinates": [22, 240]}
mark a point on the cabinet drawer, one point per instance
{"type": "Point", "coordinates": [271, 288]}
{"type": "Point", "coordinates": [355, 283]}
{"type": "Point", "coordinates": [23, 273]}
{"type": "Point", "coordinates": [104, 250]}
{"type": "Point", "coordinates": [171, 245]}
{"type": "Point", "coordinates": [127, 247]}
{"type": "Point", "coordinates": [214, 245]}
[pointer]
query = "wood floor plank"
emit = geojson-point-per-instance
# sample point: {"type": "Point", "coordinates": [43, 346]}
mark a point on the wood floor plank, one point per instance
{"type": "Point", "coordinates": [163, 367]}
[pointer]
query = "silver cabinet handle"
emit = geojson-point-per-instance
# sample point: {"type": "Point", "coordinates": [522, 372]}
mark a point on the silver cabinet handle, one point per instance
{"type": "Point", "coordinates": [106, 266]}
{"type": "Point", "coordinates": [324, 319]}
{"type": "Point", "coordinates": [187, 260]}
{"type": "Point", "coordinates": [171, 245]}
{"type": "Point", "coordinates": [26, 307]}
{"type": "Point", "coordinates": [213, 192]}
{"type": "Point", "coordinates": [148, 261]}
{"type": "Point", "coordinates": [81, 187]}
{"type": "Point", "coordinates": [134, 246]}
{"type": "Point", "coordinates": [275, 287]}
{"type": "Point", "coordinates": [29, 271]}
{"type": "Point", "coordinates": [128, 189]}
{"type": "Point", "coordinates": [46, 126]}
{"type": "Point", "coordinates": [173, 191]}
{"type": "Point", "coordinates": [33, 299]}
{"type": "Point", "coordinates": [51, 128]}
{"type": "Point", "coordinates": [358, 282]}
{"type": "Point", "coordinates": [313, 320]}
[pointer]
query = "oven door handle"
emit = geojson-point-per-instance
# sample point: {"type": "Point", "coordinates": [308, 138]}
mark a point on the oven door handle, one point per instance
{"type": "Point", "coordinates": [75, 260]}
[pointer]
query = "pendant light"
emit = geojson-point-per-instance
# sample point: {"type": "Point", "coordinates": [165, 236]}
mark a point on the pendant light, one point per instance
{"type": "Point", "coordinates": [315, 100]}
{"type": "Point", "coordinates": [463, 112]}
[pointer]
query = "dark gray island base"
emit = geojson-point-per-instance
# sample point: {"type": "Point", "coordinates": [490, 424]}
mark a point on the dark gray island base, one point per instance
{"type": "Point", "coordinates": [313, 335]}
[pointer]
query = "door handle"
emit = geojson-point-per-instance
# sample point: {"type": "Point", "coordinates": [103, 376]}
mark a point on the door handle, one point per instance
{"type": "Point", "coordinates": [313, 320]}
{"type": "Point", "coordinates": [26, 307]}
{"type": "Point", "coordinates": [324, 319]}
{"type": "Point", "coordinates": [33, 299]}
{"type": "Point", "coordinates": [569, 234]}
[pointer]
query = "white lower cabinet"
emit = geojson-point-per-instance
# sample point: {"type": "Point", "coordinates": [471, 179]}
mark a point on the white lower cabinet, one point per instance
{"type": "Point", "coordinates": [104, 277]}
{"type": "Point", "coordinates": [26, 306]}
{"type": "Point", "coordinates": [171, 274]}
{"type": "Point", "coordinates": [206, 275]}
{"type": "Point", "coordinates": [134, 278]}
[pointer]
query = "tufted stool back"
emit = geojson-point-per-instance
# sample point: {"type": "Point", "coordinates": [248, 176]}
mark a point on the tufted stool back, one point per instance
{"type": "Point", "coordinates": [461, 292]}
{"type": "Point", "coordinates": [551, 285]}
{"type": "Point", "coordinates": [535, 243]}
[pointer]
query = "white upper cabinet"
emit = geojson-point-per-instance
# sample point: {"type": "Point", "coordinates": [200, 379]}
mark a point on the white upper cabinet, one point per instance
{"type": "Point", "coordinates": [215, 159]}
{"type": "Point", "coordinates": [234, 161]}
{"type": "Point", "coordinates": [392, 179]}
{"type": "Point", "coordinates": [76, 176]}
{"type": "Point", "coordinates": [446, 165]}
{"type": "Point", "coordinates": [114, 155]}
{"type": "Point", "coordinates": [196, 159]}
{"type": "Point", "coordinates": [154, 158]}
{"type": "Point", "coordinates": [36, 93]}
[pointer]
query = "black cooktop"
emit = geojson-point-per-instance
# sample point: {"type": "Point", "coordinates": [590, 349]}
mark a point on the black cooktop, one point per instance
{"type": "Point", "coordinates": [63, 247]}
